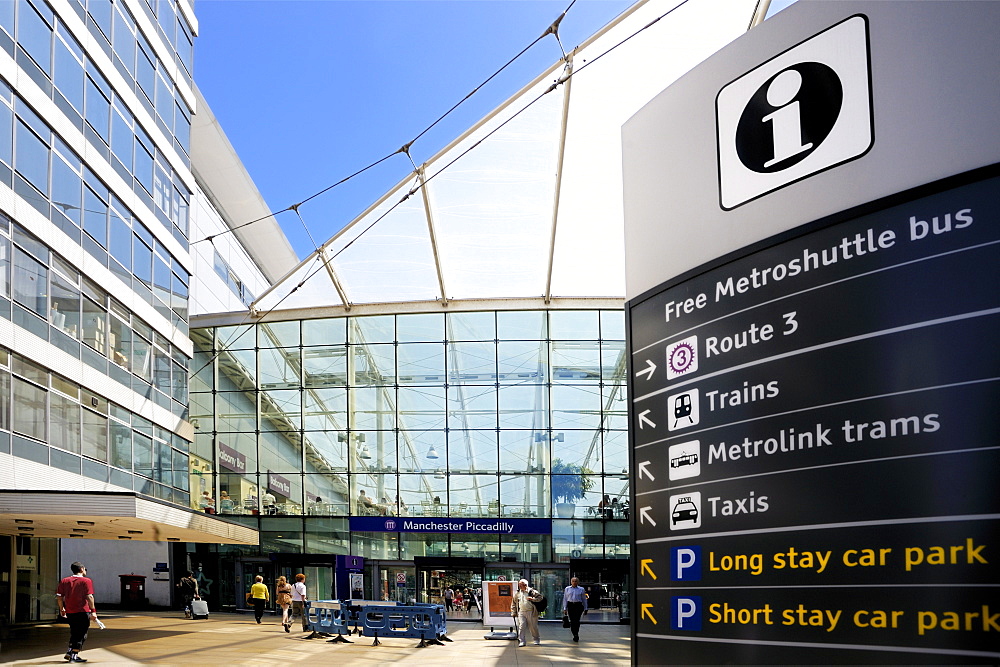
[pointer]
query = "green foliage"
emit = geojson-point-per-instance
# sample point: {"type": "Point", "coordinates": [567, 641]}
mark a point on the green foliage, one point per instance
{"type": "Point", "coordinates": [570, 482]}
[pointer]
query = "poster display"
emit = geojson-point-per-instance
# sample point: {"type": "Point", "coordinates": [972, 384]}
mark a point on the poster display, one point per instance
{"type": "Point", "coordinates": [498, 596]}
{"type": "Point", "coordinates": [816, 447]}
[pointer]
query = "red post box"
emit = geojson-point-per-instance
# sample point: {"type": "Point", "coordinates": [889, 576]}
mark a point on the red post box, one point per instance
{"type": "Point", "coordinates": [133, 591]}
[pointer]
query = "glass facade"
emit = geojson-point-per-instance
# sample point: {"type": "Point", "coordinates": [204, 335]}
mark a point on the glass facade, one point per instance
{"type": "Point", "coordinates": [304, 425]}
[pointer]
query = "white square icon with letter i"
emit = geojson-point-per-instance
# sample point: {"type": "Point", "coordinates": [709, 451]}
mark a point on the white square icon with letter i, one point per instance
{"type": "Point", "coordinates": [802, 112]}
{"type": "Point", "coordinates": [682, 357]}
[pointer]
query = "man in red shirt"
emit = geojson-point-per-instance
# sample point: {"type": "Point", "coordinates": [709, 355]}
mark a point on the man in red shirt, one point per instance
{"type": "Point", "coordinates": [75, 597]}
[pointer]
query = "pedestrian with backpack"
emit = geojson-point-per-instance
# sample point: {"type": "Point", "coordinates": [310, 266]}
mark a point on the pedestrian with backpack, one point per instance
{"type": "Point", "coordinates": [522, 608]}
{"type": "Point", "coordinates": [188, 586]}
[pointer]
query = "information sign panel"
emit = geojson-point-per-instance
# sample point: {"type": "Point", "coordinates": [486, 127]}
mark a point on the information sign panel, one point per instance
{"type": "Point", "coordinates": [815, 441]}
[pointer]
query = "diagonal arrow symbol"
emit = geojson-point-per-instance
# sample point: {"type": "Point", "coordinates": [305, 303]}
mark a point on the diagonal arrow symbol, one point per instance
{"type": "Point", "coordinates": [644, 515]}
{"type": "Point", "coordinates": [646, 568]}
{"type": "Point", "coordinates": [643, 470]}
{"type": "Point", "coordinates": [643, 418]}
{"type": "Point", "coordinates": [646, 607]}
{"type": "Point", "coordinates": [648, 370]}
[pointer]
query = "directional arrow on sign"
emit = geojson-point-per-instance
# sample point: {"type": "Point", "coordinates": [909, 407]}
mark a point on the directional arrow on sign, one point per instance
{"type": "Point", "coordinates": [644, 515]}
{"type": "Point", "coordinates": [644, 419]}
{"type": "Point", "coordinates": [646, 568]}
{"type": "Point", "coordinates": [648, 370]}
{"type": "Point", "coordinates": [646, 606]}
{"type": "Point", "coordinates": [644, 471]}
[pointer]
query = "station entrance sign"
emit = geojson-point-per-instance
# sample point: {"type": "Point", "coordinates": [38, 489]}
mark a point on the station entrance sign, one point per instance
{"type": "Point", "coordinates": [815, 441]}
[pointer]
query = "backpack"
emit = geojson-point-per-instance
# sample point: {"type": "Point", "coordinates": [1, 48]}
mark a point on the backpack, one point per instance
{"type": "Point", "coordinates": [189, 586]}
{"type": "Point", "coordinates": [542, 604]}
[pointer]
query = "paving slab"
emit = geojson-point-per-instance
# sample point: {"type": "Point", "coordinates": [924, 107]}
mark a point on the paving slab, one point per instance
{"type": "Point", "coordinates": [166, 638]}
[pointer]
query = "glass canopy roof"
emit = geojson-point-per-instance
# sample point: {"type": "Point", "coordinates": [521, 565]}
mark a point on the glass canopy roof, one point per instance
{"type": "Point", "coordinates": [535, 209]}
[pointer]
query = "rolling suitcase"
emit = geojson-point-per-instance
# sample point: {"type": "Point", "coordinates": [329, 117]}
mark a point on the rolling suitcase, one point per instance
{"type": "Point", "coordinates": [199, 609]}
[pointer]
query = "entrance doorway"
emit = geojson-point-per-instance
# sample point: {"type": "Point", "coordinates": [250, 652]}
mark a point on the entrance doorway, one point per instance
{"type": "Point", "coordinates": [607, 584]}
{"type": "Point", "coordinates": [397, 583]}
{"type": "Point", "coordinates": [455, 583]}
{"type": "Point", "coordinates": [247, 572]}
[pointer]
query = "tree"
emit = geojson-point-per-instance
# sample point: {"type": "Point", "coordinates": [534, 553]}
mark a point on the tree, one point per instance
{"type": "Point", "coordinates": [570, 482]}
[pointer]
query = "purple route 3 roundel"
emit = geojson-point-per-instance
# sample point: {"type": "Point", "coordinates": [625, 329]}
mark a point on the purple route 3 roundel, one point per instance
{"type": "Point", "coordinates": [682, 357]}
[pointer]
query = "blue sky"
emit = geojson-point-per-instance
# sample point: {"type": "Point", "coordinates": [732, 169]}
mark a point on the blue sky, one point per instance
{"type": "Point", "coordinates": [310, 91]}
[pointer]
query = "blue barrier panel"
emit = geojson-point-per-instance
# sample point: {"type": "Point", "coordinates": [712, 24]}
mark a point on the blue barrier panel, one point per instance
{"type": "Point", "coordinates": [440, 617]}
{"type": "Point", "coordinates": [326, 618]}
{"type": "Point", "coordinates": [354, 608]}
{"type": "Point", "coordinates": [424, 622]}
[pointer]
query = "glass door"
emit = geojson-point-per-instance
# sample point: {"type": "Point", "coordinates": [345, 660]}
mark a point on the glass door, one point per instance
{"type": "Point", "coordinates": [459, 590]}
{"type": "Point", "coordinates": [249, 571]}
{"type": "Point", "coordinates": [319, 582]}
{"type": "Point", "coordinates": [550, 582]}
{"type": "Point", "coordinates": [398, 583]}
{"type": "Point", "coordinates": [6, 597]}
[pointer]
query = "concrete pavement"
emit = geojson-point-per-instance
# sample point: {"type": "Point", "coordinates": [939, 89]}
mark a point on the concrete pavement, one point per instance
{"type": "Point", "coordinates": [166, 638]}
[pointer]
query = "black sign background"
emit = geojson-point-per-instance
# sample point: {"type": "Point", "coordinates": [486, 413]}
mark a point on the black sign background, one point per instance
{"type": "Point", "coordinates": [890, 363]}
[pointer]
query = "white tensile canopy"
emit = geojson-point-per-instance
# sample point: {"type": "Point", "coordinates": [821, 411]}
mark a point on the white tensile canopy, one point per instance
{"type": "Point", "coordinates": [526, 204]}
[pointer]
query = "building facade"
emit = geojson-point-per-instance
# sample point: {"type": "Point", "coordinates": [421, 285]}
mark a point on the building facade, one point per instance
{"type": "Point", "coordinates": [443, 447]}
{"type": "Point", "coordinates": [96, 278]}
{"type": "Point", "coordinates": [438, 390]}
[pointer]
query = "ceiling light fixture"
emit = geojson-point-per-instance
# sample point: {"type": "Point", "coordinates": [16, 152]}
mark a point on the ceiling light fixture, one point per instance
{"type": "Point", "coordinates": [135, 532]}
{"type": "Point", "coordinates": [23, 521]}
{"type": "Point", "coordinates": [25, 527]}
{"type": "Point", "coordinates": [432, 453]}
{"type": "Point", "coordinates": [124, 537]}
{"type": "Point", "coordinates": [76, 535]}
{"type": "Point", "coordinates": [85, 523]}
{"type": "Point", "coordinates": [173, 539]}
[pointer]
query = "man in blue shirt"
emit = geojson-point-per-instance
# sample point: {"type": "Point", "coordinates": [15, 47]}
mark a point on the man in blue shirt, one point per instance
{"type": "Point", "coordinates": [574, 605]}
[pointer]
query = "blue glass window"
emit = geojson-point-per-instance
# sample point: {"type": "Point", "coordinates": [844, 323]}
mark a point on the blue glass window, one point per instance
{"type": "Point", "coordinates": [35, 35]}
{"type": "Point", "coordinates": [32, 160]}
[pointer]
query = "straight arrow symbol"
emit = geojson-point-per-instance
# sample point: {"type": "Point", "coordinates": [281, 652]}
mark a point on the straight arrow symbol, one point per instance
{"type": "Point", "coordinates": [644, 515]}
{"type": "Point", "coordinates": [648, 370]}
{"type": "Point", "coordinates": [646, 606]}
{"type": "Point", "coordinates": [643, 470]}
{"type": "Point", "coordinates": [643, 418]}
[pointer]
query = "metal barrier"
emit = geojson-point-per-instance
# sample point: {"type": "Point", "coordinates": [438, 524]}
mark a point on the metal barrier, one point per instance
{"type": "Point", "coordinates": [423, 621]}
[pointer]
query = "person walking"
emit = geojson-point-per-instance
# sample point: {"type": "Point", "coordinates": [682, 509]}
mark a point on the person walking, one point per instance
{"type": "Point", "coordinates": [523, 609]}
{"type": "Point", "coordinates": [75, 599]}
{"type": "Point", "coordinates": [283, 598]}
{"type": "Point", "coordinates": [259, 595]}
{"type": "Point", "coordinates": [189, 591]}
{"type": "Point", "coordinates": [299, 599]}
{"type": "Point", "coordinates": [574, 605]}
{"type": "Point", "coordinates": [449, 597]}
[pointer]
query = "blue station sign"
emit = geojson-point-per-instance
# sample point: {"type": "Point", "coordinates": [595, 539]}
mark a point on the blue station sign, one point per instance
{"type": "Point", "coordinates": [490, 526]}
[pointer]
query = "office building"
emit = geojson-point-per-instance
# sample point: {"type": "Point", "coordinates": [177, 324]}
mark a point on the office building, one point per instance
{"type": "Point", "coordinates": [98, 207]}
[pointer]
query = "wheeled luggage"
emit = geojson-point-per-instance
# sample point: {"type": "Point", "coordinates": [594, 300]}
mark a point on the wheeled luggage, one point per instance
{"type": "Point", "coordinates": [199, 609]}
